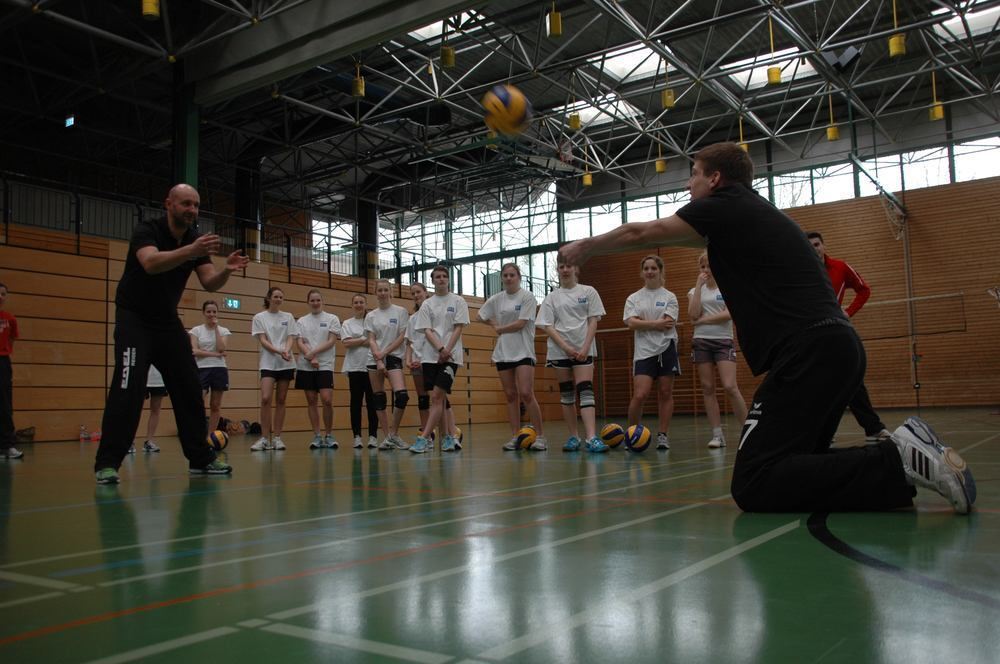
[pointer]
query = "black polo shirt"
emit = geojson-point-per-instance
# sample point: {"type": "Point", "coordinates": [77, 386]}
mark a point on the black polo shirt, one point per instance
{"type": "Point", "coordinates": [154, 297]}
{"type": "Point", "coordinates": [774, 283]}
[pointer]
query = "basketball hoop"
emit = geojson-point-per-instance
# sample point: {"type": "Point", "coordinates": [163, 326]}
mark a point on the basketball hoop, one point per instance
{"type": "Point", "coordinates": [895, 215]}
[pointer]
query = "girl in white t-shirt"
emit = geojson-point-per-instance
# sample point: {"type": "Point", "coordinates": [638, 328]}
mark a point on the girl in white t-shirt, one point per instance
{"type": "Point", "coordinates": [651, 313]}
{"type": "Point", "coordinates": [356, 359]}
{"type": "Point", "coordinates": [415, 346]}
{"type": "Point", "coordinates": [512, 315]}
{"type": "Point", "coordinates": [713, 345]}
{"type": "Point", "coordinates": [208, 343]}
{"type": "Point", "coordinates": [318, 332]}
{"type": "Point", "coordinates": [386, 329]}
{"type": "Point", "coordinates": [569, 316]}
{"type": "Point", "coordinates": [276, 331]}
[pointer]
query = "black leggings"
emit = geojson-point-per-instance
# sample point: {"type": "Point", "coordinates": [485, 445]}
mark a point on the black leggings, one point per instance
{"type": "Point", "coordinates": [361, 388]}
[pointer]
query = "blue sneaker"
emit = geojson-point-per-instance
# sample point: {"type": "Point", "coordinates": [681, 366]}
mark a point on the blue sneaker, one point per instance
{"type": "Point", "coordinates": [572, 445]}
{"type": "Point", "coordinates": [419, 446]}
{"type": "Point", "coordinates": [449, 444]}
{"type": "Point", "coordinates": [595, 444]}
{"type": "Point", "coordinates": [928, 463]}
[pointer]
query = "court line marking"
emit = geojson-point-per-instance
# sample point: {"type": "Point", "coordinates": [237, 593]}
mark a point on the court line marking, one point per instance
{"type": "Point", "coordinates": [975, 445]}
{"type": "Point", "coordinates": [451, 571]}
{"type": "Point", "coordinates": [296, 522]}
{"type": "Point", "coordinates": [361, 645]}
{"type": "Point", "coordinates": [165, 646]}
{"type": "Point", "coordinates": [396, 531]}
{"type": "Point", "coordinates": [515, 646]}
{"type": "Point", "coordinates": [28, 600]}
{"type": "Point", "coordinates": [52, 584]}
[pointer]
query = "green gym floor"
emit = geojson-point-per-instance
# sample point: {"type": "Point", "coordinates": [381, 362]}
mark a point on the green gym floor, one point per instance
{"type": "Point", "coordinates": [485, 556]}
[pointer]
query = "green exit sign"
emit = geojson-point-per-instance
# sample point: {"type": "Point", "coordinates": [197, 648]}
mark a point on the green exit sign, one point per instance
{"type": "Point", "coordinates": [232, 303]}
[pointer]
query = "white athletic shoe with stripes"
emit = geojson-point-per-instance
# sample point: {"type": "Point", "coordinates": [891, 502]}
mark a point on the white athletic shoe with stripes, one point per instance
{"type": "Point", "coordinates": [928, 463]}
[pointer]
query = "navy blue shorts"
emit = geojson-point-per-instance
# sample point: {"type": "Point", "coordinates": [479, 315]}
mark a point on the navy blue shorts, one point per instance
{"type": "Point", "coordinates": [523, 362]}
{"type": "Point", "coordinates": [278, 374]}
{"type": "Point", "coordinates": [569, 363]}
{"type": "Point", "coordinates": [391, 363]}
{"type": "Point", "coordinates": [215, 379]}
{"type": "Point", "coordinates": [664, 364]}
{"type": "Point", "coordinates": [313, 381]}
{"type": "Point", "coordinates": [439, 375]}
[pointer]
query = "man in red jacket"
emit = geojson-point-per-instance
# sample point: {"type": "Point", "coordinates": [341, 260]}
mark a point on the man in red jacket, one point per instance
{"type": "Point", "coordinates": [842, 277]}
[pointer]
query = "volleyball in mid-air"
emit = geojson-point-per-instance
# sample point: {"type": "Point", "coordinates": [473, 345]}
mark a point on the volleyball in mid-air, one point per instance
{"type": "Point", "coordinates": [508, 111]}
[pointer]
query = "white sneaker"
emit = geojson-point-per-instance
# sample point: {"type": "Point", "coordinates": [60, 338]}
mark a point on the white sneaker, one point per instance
{"type": "Point", "coordinates": [278, 444]}
{"type": "Point", "coordinates": [716, 443]}
{"type": "Point", "coordinates": [330, 441]}
{"type": "Point", "coordinates": [662, 442]}
{"type": "Point", "coordinates": [261, 445]}
{"type": "Point", "coordinates": [150, 446]}
{"type": "Point", "coordinates": [357, 443]}
{"type": "Point", "coordinates": [12, 453]}
{"type": "Point", "coordinates": [511, 445]}
{"type": "Point", "coordinates": [131, 448]}
{"type": "Point", "coordinates": [398, 442]}
{"type": "Point", "coordinates": [879, 437]}
{"type": "Point", "coordinates": [928, 463]}
{"type": "Point", "coordinates": [372, 442]}
{"type": "Point", "coordinates": [386, 444]}
{"type": "Point", "coordinates": [539, 445]}
{"type": "Point", "coordinates": [316, 443]}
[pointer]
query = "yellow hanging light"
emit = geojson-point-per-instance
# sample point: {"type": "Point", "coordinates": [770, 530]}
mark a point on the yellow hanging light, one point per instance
{"type": "Point", "coordinates": [574, 121]}
{"type": "Point", "coordinates": [447, 54]}
{"type": "Point", "coordinates": [936, 111]}
{"type": "Point", "coordinates": [897, 42]}
{"type": "Point", "coordinates": [774, 71]}
{"type": "Point", "coordinates": [587, 178]}
{"type": "Point", "coordinates": [667, 99]}
{"type": "Point", "coordinates": [742, 143]}
{"type": "Point", "coordinates": [554, 22]}
{"type": "Point", "coordinates": [832, 130]}
{"type": "Point", "coordinates": [661, 163]}
{"type": "Point", "coordinates": [151, 10]}
{"type": "Point", "coordinates": [358, 84]}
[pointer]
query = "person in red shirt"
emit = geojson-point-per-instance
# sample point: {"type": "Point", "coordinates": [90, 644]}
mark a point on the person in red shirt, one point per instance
{"type": "Point", "coordinates": [842, 276]}
{"type": "Point", "coordinates": [8, 332]}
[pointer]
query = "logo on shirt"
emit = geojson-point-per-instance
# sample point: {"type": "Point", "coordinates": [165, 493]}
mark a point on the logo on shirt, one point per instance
{"type": "Point", "coordinates": [661, 304]}
{"type": "Point", "coordinates": [719, 298]}
{"type": "Point", "coordinates": [581, 300]}
{"type": "Point", "coordinates": [517, 307]}
{"type": "Point", "coordinates": [393, 321]}
{"type": "Point", "coordinates": [450, 310]}
{"type": "Point", "coordinates": [324, 325]}
{"type": "Point", "coordinates": [284, 323]}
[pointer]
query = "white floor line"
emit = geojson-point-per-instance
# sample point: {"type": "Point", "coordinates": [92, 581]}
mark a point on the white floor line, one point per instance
{"type": "Point", "coordinates": [539, 636]}
{"type": "Point", "coordinates": [296, 522]}
{"type": "Point", "coordinates": [165, 646]}
{"type": "Point", "coordinates": [496, 560]}
{"type": "Point", "coordinates": [975, 445]}
{"type": "Point", "coordinates": [29, 600]}
{"type": "Point", "coordinates": [52, 584]}
{"type": "Point", "coordinates": [359, 645]}
{"type": "Point", "coordinates": [386, 533]}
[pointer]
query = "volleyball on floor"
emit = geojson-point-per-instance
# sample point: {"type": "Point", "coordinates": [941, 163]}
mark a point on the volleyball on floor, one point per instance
{"type": "Point", "coordinates": [638, 438]}
{"type": "Point", "coordinates": [525, 437]}
{"type": "Point", "coordinates": [612, 434]}
{"type": "Point", "coordinates": [508, 111]}
{"type": "Point", "coordinates": [218, 439]}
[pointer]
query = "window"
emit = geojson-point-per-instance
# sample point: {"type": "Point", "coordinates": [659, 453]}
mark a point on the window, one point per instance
{"type": "Point", "coordinates": [977, 159]}
{"type": "Point", "coordinates": [604, 218]}
{"type": "Point", "coordinates": [641, 209]}
{"type": "Point", "coordinates": [925, 168]}
{"type": "Point", "coordinates": [833, 183]}
{"type": "Point", "coordinates": [577, 224]}
{"type": "Point", "coordinates": [886, 171]}
{"type": "Point", "coordinates": [792, 189]}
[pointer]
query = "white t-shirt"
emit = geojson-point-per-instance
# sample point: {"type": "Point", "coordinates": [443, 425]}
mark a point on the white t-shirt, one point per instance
{"type": "Point", "coordinates": [359, 357]}
{"type": "Point", "coordinates": [278, 327]}
{"type": "Point", "coordinates": [567, 310]}
{"type": "Point", "coordinates": [442, 313]}
{"type": "Point", "coordinates": [154, 378]}
{"type": "Point", "coordinates": [206, 341]}
{"type": "Point", "coordinates": [505, 309]}
{"type": "Point", "coordinates": [386, 325]}
{"type": "Point", "coordinates": [712, 303]}
{"type": "Point", "coordinates": [418, 340]}
{"type": "Point", "coordinates": [651, 304]}
{"type": "Point", "coordinates": [316, 329]}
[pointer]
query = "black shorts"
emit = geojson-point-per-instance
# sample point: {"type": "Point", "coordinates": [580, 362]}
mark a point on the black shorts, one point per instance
{"type": "Point", "coordinates": [156, 392]}
{"type": "Point", "coordinates": [665, 364]}
{"type": "Point", "coordinates": [569, 363]}
{"type": "Point", "coordinates": [439, 375]}
{"type": "Point", "coordinates": [278, 374]}
{"type": "Point", "coordinates": [313, 381]}
{"type": "Point", "coordinates": [215, 379]}
{"type": "Point", "coordinates": [523, 362]}
{"type": "Point", "coordinates": [391, 362]}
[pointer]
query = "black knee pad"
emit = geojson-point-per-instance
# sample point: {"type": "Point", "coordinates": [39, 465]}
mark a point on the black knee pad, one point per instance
{"type": "Point", "coordinates": [400, 398]}
{"type": "Point", "coordinates": [380, 401]}
{"type": "Point", "coordinates": [586, 391]}
{"type": "Point", "coordinates": [447, 404]}
{"type": "Point", "coordinates": [566, 396]}
{"type": "Point", "coordinates": [423, 401]}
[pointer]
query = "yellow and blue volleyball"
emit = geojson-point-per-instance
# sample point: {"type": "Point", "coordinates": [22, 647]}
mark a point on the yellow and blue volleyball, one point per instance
{"type": "Point", "coordinates": [525, 437]}
{"type": "Point", "coordinates": [638, 438]}
{"type": "Point", "coordinates": [218, 439]}
{"type": "Point", "coordinates": [508, 111]}
{"type": "Point", "coordinates": [612, 434]}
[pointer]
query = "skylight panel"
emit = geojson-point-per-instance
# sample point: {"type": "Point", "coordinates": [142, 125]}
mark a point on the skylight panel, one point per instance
{"type": "Point", "coordinates": [757, 76]}
{"type": "Point", "coordinates": [614, 107]}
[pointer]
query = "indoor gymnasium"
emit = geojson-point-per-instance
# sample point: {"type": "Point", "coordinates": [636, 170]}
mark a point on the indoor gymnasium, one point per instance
{"type": "Point", "coordinates": [502, 331]}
